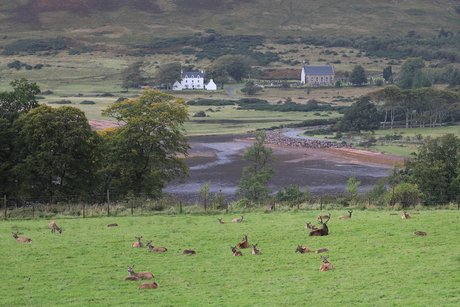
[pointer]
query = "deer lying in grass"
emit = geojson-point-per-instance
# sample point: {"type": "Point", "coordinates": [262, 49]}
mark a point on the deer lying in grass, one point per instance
{"type": "Point", "coordinates": [141, 275]}
{"type": "Point", "coordinates": [244, 243]}
{"type": "Point", "coordinates": [147, 285]}
{"type": "Point", "coordinates": [323, 231]}
{"type": "Point", "coordinates": [130, 278]}
{"type": "Point", "coordinates": [342, 217]}
{"type": "Point", "coordinates": [323, 217]}
{"type": "Point", "coordinates": [322, 250]}
{"type": "Point", "coordinates": [419, 233]}
{"type": "Point", "coordinates": [255, 251]}
{"type": "Point", "coordinates": [302, 250]}
{"type": "Point", "coordinates": [156, 248]}
{"type": "Point", "coordinates": [235, 251]}
{"type": "Point", "coordinates": [415, 212]}
{"type": "Point", "coordinates": [310, 226]}
{"type": "Point", "coordinates": [54, 227]}
{"type": "Point", "coordinates": [20, 239]}
{"type": "Point", "coordinates": [393, 214]}
{"type": "Point", "coordinates": [326, 266]}
{"type": "Point", "coordinates": [189, 251]}
{"type": "Point", "coordinates": [405, 215]}
{"type": "Point", "coordinates": [238, 220]}
{"type": "Point", "coordinates": [112, 225]}
{"type": "Point", "coordinates": [138, 243]}
{"type": "Point", "coordinates": [220, 221]}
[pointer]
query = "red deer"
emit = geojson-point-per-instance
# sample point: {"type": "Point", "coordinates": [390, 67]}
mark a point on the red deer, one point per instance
{"type": "Point", "coordinates": [326, 266]}
{"type": "Point", "coordinates": [302, 250]}
{"type": "Point", "coordinates": [346, 216]}
{"type": "Point", "coordinates": [310, 226]}
{"type": "Point", "coordinates": [20, 239]}
{"type": "Point", "coordinates": [54, 227]}
{"type": "Point", "coordinates": [244, 243]}
{"type": "Point", "coordinates": [255, 251]}
{"type": "Point", "coordinates": [323, 231]}
{"type": "Point", "coordinates": [393, 214]}
{"type": "Point", "coordinates": [147, 285]}
{"type": "Point", "coordinates": [220, 221]}
{"type": "Point", "coordinates": [141, 275]}
{"type": "Point", "coordinates": [419, 233]}
{"type": "Point", "coordinates": [323, 217]}
{"type": "Point", "coordinates": [112, 225]}
{"type": "Point", "coordinates": [415, 212]}
{"type": "Point", "coordinates": [138, 243]}
{"type": "Point", "coordinates": [405, 215]}
{"type": "Point", "coordinates": [322, 250]}
{"type": "Point", "coordinates": [130, 278]}
{"type": "Point", "coordinates": [238, 220]}
{"type": "Point", "coordinates": [156, 248]}
{"type": "Point", "coordinates": [236, 252]}
{"type": "Point", "coordinates": [189, 251]}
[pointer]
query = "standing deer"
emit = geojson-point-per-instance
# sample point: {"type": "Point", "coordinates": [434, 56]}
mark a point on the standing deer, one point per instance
{"type": "Point", "coordinates": [220, 221]}
{"type": "Point", "coordinates": [323, 231]}
{"type": "Point", "coordinates": [419, 233]}
{"type": "Point", "coordinates": [20, 239]}
{"type": "Point", "coordinates": [156, 248]}
{"type": "Point", "coordinates": [342, 217]}
{"type": "Point", "coordinates": [147, 285]}
{"type": "Point", "coordinates": [238, 220]}
{"type": "Point", "coordinates": [141, 275]}
{"type": "Point", "coordinates": [236, 252]}
{"type": "Point", "coordinates": [244, 243]}
{"type": "Point", "coordinates": [255, 251]}
{"type": "Point", "coordinates": [326, 266]}
{"type": "Point", "coordinates": [405, 215]}
{"type": "Point", "coordinates": [138, 243]}
{"type": "Point", "coordinates": [310, 226]}
{"type": "Point", "coordinates": [54, 227]}
{"type": "Point", "coordinates": [302, 250]}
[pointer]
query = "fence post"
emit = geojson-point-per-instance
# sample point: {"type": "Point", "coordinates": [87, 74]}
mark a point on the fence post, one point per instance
{"type": "Point", "coordinates": [33, 211]}
{"type": "Point", "coordinates": [108, 203]}
{"type": "Point", "coordinates": [226, 206]}
{"type": "Point", "coordinates": [321, 203]}
{"type": "Point", "coordinates": [4, 204]}
{"type": "Point", "coordinates": [132, 208]}
{"type": "Point", "coordinates": [180, 207]}
{"type": "Point", "coordinates": [84, 210]}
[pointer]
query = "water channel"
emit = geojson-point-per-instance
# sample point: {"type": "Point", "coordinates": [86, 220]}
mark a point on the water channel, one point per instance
{"type": "Point", "coordinates": [218, 159]}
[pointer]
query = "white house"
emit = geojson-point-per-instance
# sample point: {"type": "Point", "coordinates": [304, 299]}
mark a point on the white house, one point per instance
{"type": "Point", "coordinates": [317, 75]}
{"type": "Point", "coordinates": [211, 86]}
{"type": "Point", "coordinates": [190, 80]}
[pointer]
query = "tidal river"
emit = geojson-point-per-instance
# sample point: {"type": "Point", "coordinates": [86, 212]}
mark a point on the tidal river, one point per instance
{"type": "Point", "coordinates": [218, 159]}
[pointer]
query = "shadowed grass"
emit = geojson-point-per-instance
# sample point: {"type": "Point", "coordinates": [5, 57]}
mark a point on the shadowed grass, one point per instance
{"type": "Point", "coordinates": [377, 261]}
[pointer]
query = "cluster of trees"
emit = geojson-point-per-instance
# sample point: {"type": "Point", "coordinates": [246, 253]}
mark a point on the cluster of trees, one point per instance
{"type": "Point", "coordinates": [53, 153]}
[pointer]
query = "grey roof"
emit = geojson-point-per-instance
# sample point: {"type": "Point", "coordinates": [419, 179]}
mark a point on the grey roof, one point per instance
{"type": "Point", "coordinates": [319, 70]}
{"type": "Point", "coordinates": [195, 74]}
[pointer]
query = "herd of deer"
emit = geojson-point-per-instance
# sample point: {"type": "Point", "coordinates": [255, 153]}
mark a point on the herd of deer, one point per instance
{"type": "Point", "coordinates": [314, 231]}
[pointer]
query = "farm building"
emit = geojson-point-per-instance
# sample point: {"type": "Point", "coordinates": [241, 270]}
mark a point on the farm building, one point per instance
{"type": "Point", "coordinates": [192, 80]}
{"type": "Point", "coordinates": [317, 75]}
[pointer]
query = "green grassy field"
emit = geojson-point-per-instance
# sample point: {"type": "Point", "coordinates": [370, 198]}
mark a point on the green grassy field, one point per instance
{"type": "Point", "coordinates": [377, 261]}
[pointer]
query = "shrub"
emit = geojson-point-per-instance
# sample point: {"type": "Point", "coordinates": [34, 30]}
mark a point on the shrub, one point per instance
{"type": "Point", "coordinates": [200, 114]}
{"type": "Point", "coordinates": [121, 99]}
{"type": "Point", "coordinates": [63, 101]}
{"type": "Point", "coordinates": [15, 64]}
{"type": "Point", "coordinates": [38, 66]}
{"type": "Point", "coordinates": [87, 102]}
{"type": "Point", "coordinates": [106, 95]}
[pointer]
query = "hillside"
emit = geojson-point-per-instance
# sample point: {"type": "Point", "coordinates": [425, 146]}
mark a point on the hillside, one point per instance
{"type": "Point", "coordinates": [136, 21]}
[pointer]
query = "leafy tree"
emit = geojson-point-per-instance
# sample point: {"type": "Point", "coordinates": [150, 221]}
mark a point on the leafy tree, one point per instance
{"type": "Point", "coordinates": [358, 76]}
{"type": "Point", "coordinates": [387, 73]}
{"type": "Point", "coordinates": [376, 194]}
{"type": "Point", "coordinates": [251, 89]}
{"type": "Point", "coordinates": [204, 192]}
{"type": "Point", "coordinates": [168, 74]}
{"type": "Point", "coordinates": [20, 101]}
{"type": "Point", "coordinates": [132, 75]}
{"type": "Point", "coordinates": [435, 169]}
{"type": "Point", "coordinates": [234, 66]}
{"type": "Point", "coordinates": [144, 154]}
{"type": "Point", "coordinates": [408, 71]}
{"type": "Point", "coordinates": [406, 194]}
{"type": "Point", "coordinates": [420, 80]}
{"type": "Point", "coordinates": [352, 187]}
{"type": "Point", "coordinates": [454, 79]}
{"type": "Point", "coordinates": [362, 115]}
{"type": "Point", "coordinates": [252, 184]}
{"type": "Point", "coordinates": [56, 153]}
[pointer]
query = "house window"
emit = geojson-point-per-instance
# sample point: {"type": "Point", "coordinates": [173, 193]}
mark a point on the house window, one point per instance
{"type": "Point", "coordinates": [316, 78]}
{"type": "Point", "coordinates": [321, 79]}
{"type": "Point", "coordinates": [327, 78]}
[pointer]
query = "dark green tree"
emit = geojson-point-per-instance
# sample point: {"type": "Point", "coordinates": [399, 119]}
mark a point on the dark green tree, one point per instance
{"type": "Point", "coordinates": [435, 170]}
{"type": "Point", "coordinates": [358, 76]}
{"type": "Point", "coordinates": [251, 89]}
{"type": "Point", "coordinates": [454, 79]}
{"type": "Point", "coordinates": [362, 115]}
{"type": "Point", "coordinates": [253, 183]}
{"type": "Point", "coordinates": [21, 100]}
{"type": "Point", "coordinates": [55, 153]}
{"type": "Point", "coordinates": [387, 73]}
{"type": "Point", "coordinates": [144, 154]}
{"type": "Point", "coordinates": [168, 74]}
{"type": "Point", "coordinates": [235, 66]}
{"type": "Point", "coordinates": [408, 71]}
{"type": "Point", "coordinates": [132, 75]}
{"type": "Point", "coordinates": [420, 80]}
